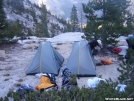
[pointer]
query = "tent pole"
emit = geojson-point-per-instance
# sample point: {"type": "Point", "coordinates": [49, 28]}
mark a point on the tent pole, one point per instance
{"type": "Point", "coordinates": [79, 60]}
{"type": "Point", "coordinates": [41, 58]}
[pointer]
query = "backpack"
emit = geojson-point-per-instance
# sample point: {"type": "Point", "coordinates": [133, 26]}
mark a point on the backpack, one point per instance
{"type": "Point", "coordinates": [23, 88]}
{"type": "Point", "coordinates": [67, 80]}
{"type": "Point", "coordinates": [52, 78]}
{"type": "Point", "coordinates": [65, 74]}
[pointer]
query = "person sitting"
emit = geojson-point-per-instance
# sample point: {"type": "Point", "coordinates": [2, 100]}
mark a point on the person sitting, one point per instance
{"type": "Point", "coordinates": [95, 46]}
{"type": "Point", "coordinates": [130, 41]}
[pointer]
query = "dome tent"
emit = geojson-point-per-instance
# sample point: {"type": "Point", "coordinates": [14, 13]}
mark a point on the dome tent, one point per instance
{"type": "Point", "coordinates": [46, 60]}
{"type": "Point", "coordinates": [81, 61]}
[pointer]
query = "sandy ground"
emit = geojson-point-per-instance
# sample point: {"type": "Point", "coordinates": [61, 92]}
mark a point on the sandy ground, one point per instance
{"type": "Point", "coordinates": [12, 69]}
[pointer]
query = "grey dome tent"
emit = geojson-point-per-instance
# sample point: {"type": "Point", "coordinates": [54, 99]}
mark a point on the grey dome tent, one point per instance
{"type": "Point", "coordinates": [81, 61]}
{"type": "Point", "coordinates": [46, 60]}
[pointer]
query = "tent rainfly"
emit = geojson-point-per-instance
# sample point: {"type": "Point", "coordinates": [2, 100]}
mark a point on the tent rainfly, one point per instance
{"type": "Point", "coordinates": [46, 60]}
{"type": "Point", "coordinates": [81, 61]}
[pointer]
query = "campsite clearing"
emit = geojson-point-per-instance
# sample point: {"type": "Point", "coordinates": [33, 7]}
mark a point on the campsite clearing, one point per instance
{"type": "Point", "coordinates": [17, 60]}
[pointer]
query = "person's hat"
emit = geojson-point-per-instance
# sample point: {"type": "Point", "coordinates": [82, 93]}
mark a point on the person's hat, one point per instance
{"type": "Point", "coordinates": [99, 41]}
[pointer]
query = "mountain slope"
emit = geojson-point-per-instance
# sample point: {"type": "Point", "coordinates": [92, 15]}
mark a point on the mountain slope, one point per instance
{"type": "Point", "coordinates": [29, 15]}
{"type": "Point", "coordinates": [62, 8]}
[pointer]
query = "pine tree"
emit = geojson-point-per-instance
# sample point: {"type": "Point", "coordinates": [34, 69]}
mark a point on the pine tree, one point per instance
{"type": "Point", "coordinates": [68, 28]}
{"type": "Point", "coordinates": [42, 28]}
{"type": "Point", "coordinates": [91, 30]}
{"type": "Point", "coordinates": [44, 21]}
{"type": "Point", "coordinates": [14, 29]}
{"type": "Point", "coordinates": [130, 20]}
{"type": "Point", "coordinates": [127, 74]}
{"type": "Point", "coordinates": [2, 19]}
{"type": "Point", "coordinates": [127, 68]}
{"type": "Point", "coordinates": [74, 19]}
{"type": "Point", "coordinates": [52, 30]}
{"type": "Point", "coordinates": [110, 25]}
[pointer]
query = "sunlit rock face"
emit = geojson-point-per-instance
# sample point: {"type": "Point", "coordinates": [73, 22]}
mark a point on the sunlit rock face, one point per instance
{"type": "Point", "coordinates": [61, 8]}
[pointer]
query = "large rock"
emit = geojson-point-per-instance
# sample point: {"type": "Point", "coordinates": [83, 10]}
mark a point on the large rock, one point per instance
{"type": "Point", "coordinates": [2, 55]}
{"type": "Point", "coordinates": [30, 41]}
{"type": "Point", "coordinates": [55, 45]}
{"type": "Point", "coordinates": [42, 39]}
{"type": "Point", "coordinates": [30, 46]}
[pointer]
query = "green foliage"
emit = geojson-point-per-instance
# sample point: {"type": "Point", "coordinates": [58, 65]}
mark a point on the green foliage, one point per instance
{"type": "Point", "coordinates": [18, 85]}
{"type": "Point", "coordinates": [40, 21]}
{"type": "Point", "coordinates": [44, 21]}
{"type": "Point", "coordinates": [32, 13]}
{"type": "Point", "coordinates": [39, 30]}
{"type": "Point", "coordinates": [6, 79]}
{"type": "Point", "coordinates": [100, 93]}
{"type": "Point", "coordinates": [52, 30]}
{"type": "Point", "coordinates": [74, 19]}
{"type": "Point", "coordinates": [29, 33]}
{"type": "Point", "coordinates": [127, 73]}
{"type": "Point", "coordinates": [42, 28]}
{"type": "Point", "coordinates": [6, 75]}
{"type": "Point", "coordinates": [61, 20]}
{"type": "Point", "coordinates": [8, 31]}
{"type": "Point", "coordinates": [110, 25]}
{"type": "Point", "coordinates": [73, 79]}
{"type": "Point", "coordinates": [68, 27]}
{"type": "Point", "coordinates": [127, 68]}
{"type": "Point", "coordinates": [2, 19]}
{"type": "Point", "coordinates": [20, 80]}
{"type": "Point", "coordinates": [13, 29]}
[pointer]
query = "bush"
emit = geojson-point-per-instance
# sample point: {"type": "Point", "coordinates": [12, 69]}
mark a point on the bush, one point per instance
{"type": "Point", "coordinates": [100, 93]}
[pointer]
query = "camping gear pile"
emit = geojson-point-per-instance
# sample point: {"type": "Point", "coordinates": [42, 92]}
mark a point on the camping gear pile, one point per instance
{"type": "Point", "coordinates": [48, 82]}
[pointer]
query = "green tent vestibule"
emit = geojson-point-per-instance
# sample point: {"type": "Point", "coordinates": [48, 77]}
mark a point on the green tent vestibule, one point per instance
{"type": "Point", "coordinates": [81, 62]}
{"type": "Point", "coordinates": [46, 60]}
